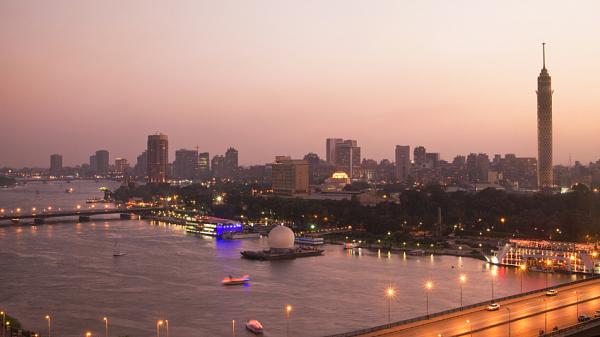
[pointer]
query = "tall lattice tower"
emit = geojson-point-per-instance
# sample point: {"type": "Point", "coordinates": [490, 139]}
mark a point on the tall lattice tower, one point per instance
{"type": "Point", "coordinates": [544, 118]}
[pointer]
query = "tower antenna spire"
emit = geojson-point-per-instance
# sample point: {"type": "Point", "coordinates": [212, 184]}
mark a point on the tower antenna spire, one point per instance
{"type": "Point", "coordinates": [544, 54]}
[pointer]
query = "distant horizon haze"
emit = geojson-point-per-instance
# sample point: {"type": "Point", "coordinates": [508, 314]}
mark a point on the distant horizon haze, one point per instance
{"type": "Point", "coordinates": [279, 77]}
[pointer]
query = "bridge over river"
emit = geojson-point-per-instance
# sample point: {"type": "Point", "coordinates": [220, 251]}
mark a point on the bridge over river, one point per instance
{"type": "Point", "coordinates": [82, 214]}
{"type": "Point", "coordinates": [533, 313]}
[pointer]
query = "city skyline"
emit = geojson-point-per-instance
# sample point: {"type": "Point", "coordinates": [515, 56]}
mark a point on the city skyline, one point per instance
{"type": "Point", "coordinates": [396, 79]}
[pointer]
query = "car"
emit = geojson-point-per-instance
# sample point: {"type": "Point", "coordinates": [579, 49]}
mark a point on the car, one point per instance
{"type": "Point", "coordinates": [551, 292]}
{"type": "Point", "coordinates": [583, 318]}
{"type": "Point", "coordinates": [597, 313]}
{"type": "Point", "coordinates": [493, 307]}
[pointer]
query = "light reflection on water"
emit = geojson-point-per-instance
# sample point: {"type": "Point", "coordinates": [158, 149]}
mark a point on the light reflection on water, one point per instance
{"type": "Point", "coordinates": [67, 270]}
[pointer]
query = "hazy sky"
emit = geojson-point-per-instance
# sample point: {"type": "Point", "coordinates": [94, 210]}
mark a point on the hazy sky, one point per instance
{"type": "Point", "coordinates": [278, 77]}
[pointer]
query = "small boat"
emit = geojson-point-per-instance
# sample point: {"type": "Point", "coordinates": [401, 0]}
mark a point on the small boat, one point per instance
{"type": "Point", "coordinates": [350, 245]}
{"type": "Point", "coordinates": [417, 252]}
{"type": "Point", "coordinates": [96, 200]}
{"type": "Point", "coordinates": [254, 326]}
{"type": "Point", "coordinates": [231, 281]}
{"type": "Point", "coordinates": [116, 251]}
{"type": "Point", "coordinates": [69, 190]}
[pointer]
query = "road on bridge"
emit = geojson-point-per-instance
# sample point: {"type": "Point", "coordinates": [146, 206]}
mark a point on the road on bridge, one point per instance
{"type": "Point", "coordinates": [529, 315]}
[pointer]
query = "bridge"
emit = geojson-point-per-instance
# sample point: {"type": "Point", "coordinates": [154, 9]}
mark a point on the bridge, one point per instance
{"type": "Point", "coordinates": [528, 314]}
{"type": "Point", "coordinates": [83, 214]}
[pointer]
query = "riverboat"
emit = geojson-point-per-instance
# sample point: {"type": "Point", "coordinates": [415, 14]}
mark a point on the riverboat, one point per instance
{"type": "Point", "coordinates": [231, 281]}
{"type": "Point", "coordinates": [309, 240]}
{"type": "Point", "coordinates": [276, 254]}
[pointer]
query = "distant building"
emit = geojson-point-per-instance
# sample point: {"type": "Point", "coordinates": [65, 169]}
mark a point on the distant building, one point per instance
{"type": "Point", "coordinates": [544, 120]}
{"type": "Point", "coordinates": [203, 165]}
{"type": "Point", "coordinates": [93, 164]}
{"type": "Point", "coordinates": [121, 166]}
{"type": "Point", "coordinates": [314, 162]}
{"type": "Point", "coordinates": [347, 157]}
{"type": "Point", "coordinates": [402, 162]}
{"type": "Point", "coordinates": [420, 156]}
{"type": "Point", "coordinates": [218, 166]}
{"type": "Point", "coordinates": [102, 162]}
{"type": "Point", "coordinates": [158, 158]}
{"type": "Point", "coordinates": [141, 165]}
{"type": "Point", "coordinates": [290, 177]}
{"type": "Point", "coordinates": [185, 165]}
{"type": "Point", "coordinates": [231, 162]}
{"type": "Point", "coordinates": [56, 164]}
{"type": "Point", "coordinates": [330, 145]}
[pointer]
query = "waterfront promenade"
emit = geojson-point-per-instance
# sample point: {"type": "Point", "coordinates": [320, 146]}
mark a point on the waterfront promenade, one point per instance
{"type": "Point", "coordinates": [529, 313]}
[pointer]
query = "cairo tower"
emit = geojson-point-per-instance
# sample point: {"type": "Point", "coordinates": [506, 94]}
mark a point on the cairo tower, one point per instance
{"type": "Point", "coordinates": [544, 118]}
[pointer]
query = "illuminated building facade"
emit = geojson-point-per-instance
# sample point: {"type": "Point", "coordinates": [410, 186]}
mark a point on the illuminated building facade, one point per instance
{"type": "Point", "coordinates": [402, 162]}
{"type": "Point", "coordinates": [549, 256]}
{"type": "Point", "coordinates": [289, 177]}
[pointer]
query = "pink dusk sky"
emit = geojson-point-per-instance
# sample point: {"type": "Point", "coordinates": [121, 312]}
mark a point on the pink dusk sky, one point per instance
{"type": "Point", "coordinates": [278, 77]}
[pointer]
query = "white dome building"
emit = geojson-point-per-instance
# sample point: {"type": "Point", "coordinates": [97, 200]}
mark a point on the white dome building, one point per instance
{"type": "Point", "coordinates": [281, 238]}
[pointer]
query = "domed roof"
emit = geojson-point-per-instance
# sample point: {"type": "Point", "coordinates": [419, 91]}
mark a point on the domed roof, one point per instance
{"type": "Point", "coordinates": [281, 237]}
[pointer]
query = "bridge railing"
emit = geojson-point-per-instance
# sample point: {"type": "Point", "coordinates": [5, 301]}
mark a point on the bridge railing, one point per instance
{"type": "Point", "coordinates": [454, 310]}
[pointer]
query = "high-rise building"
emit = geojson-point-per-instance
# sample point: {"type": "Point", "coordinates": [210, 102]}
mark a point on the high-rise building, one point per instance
{"type": "Point", "coordinates": [330, 145]}
{"type": "Point", "coordinates": [121, 166]}
{"type": "Point", "coordinates": [102, 162]}
{"type": "Point", "coordinates": [347, 157]}
{"type": "Point", "coordinates": [56, 164]}
{"type": "Point", "coordinates": [420, 156]}
{"type": "Point", "coordinates": [93, 163]}
{"type": "Point", "coordinates": [290, 177]}
{"type": "Point", "coordinates": [544, 119]}
{"type": "Point", "coordinates": [402, 162]}
{"type": "Point", "coordinates": [158, 158]}
{"type": "Point", "coordinates": [203, 165]}
{"type": "Point", "coordinates": [217, 166]}
{"type": "Point", "coordinates": [185, 165]}
{"type": "Point", "coordinates": [141, 164]}
{"type": "Point", "coordinates": [231, 162]}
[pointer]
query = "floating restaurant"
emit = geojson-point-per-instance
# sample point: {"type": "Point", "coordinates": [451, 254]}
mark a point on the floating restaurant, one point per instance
{"type": "Point", "coordinates": [548, 256]}
{"type": "Point", "coordinates": [212, 226]}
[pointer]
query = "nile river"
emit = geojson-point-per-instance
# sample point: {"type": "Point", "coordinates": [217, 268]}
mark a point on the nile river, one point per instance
{"type": "Point", "coordinates": [67, 270]}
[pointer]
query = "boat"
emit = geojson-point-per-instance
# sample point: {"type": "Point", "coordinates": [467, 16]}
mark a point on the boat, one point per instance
{"type": "Point", "coordinates": [116, 251]}
{"type": "Point", "coordinates": [239, 235]}
{"type": "Point", "coordinates": [232, 281]}
{"type": "Point", "coordinates": [350, 245]}
{"type": "Point", "coordinates": [417, 252]}
{"type": "Point", "coordinates": [272, 254]}
{"type": "Point", "coordinates": [254, 326]}
{"type": "Point", "coordinates": [96, 200]}
{"type": "Point", "coordinates": [309, 240]}
{"type": "Point", "coordinates": [69, 190]}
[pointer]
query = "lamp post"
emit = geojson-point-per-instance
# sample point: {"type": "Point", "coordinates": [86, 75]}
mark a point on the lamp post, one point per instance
{"type": "Point", "coordinates": [523, 267]}
{"type": "Point", "coordinates": [462, 279]}
{"type": "Point", "coordinates": [545, 315]}
{"type": "Point", "coordinates": [508, 309]}
{"type": "Point", "coordinates": [105, 319]}
{"type": "Point", "coordinates": [49, 319]}
{"type": "Point", "coordinates": [288, 310]}
{"type": "Point", "coordinates": [167, 326]}
{"type": "Point", "coordinates": [158, 324]}
{"type": "Point", "coordinates": [470, 328]}
{"type": "Point", "coordinates": [577, 303]}
{"type": "Point", "coordinates": [428, 287]}
{"type": "Point", "coordinates": [390, 292]}
{"type": "Point", "coordinates": [233, 327]}
{"type": "Point", "coordinates": [3, 322]}
{"type": "Point", "coordinates": [494, 272]}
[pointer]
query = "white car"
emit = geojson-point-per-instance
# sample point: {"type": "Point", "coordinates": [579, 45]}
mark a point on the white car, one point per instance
{"type": "Point", "coordinates": [493, 307]}
{"type": "Point", "coordinates": [551, 292]}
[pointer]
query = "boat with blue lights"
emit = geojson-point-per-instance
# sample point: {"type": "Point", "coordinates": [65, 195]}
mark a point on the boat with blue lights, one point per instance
{"type": "Point", "coordinates": [206, 225]}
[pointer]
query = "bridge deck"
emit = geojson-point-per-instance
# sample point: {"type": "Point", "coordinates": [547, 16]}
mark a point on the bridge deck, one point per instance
{"type": "Point", "coordinates": [81, 212]}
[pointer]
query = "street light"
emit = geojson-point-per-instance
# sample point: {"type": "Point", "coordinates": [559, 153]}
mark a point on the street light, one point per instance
{"type": "Point", "coordinates": [577, 303]}
{"type": "Point", "coordinates": [288, 310]}
{"type": "Point", "coordinates": [545, 314]}
{"type": "Point", "coordinates": [3, 321]}
{"type": "Point", "coordinates": [88, 334]}
{"type": "Point", "coordinates": [470, 328]}
{"type": "Point", "coordinates": [167, 326]}
{"type": "Point", "coordinates": [494, 272]}
{"type": "Point", "coordinates": [462, 279]}
{"type": "Point", "coordinates": [428, 287]}
{"type": "Point", "coordinates": [508, 309]}
{"type": "Point", "coordinates": [158, 324]}
{"type": "Point", "coordinates": [523, 267]}
{"type": "Point", "coordinates": [105, 319]}
{"type": "Point", "coordinates": [49, 325]}
{"type": "Point", "coordinates": [390, 292]}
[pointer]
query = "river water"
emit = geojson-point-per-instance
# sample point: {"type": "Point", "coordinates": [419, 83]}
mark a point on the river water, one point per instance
{"type": "Point", "coordinates": [66, 269]}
